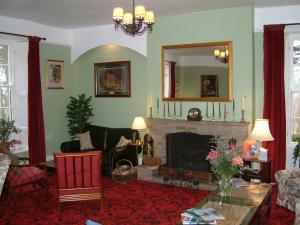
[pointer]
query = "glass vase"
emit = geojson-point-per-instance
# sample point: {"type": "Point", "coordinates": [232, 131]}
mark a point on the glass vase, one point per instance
{"type": "Point", "coordinates": [225, 185]}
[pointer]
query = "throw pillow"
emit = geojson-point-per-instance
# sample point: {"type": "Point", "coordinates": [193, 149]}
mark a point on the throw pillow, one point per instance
{"type": "Point", "coordinates": [85, 141]}
{"type": "Point", "coordinates": [123, 142]}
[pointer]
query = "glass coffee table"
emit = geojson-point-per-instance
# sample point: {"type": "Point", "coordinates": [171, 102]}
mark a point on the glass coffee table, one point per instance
{"type": "Point", "coordinates": [245, 205]}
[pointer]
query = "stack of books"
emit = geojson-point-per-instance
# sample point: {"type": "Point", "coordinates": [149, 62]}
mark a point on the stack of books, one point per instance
{"type": "Point", "coordinates": [195, 216]}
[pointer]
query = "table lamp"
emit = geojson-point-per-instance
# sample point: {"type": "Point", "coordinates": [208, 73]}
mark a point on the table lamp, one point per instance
{"type": "Point", "coordinates": [138, 125]}
{"type": "Point", "coordinates": [261, 132]}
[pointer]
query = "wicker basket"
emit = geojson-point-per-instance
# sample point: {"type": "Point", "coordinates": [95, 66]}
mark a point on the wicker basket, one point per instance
{"type": "Point", "coordinates": [124, 173]}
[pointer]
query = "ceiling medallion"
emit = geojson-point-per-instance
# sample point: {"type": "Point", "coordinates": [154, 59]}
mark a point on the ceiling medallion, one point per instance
{"type": "Point", "coordinates": [135, 23]}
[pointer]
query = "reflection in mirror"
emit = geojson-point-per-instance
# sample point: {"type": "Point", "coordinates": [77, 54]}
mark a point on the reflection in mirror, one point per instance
{"type": "Point", "coordinates": [197, 72]}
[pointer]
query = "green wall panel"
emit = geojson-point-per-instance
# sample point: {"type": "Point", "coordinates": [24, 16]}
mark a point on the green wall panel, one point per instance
{"type": "Point", "coordinates": [235, 24]}
{"type": "Point", "coordinates": [114, 112]}
{"type": "Point", "coordinates": [55, 100]}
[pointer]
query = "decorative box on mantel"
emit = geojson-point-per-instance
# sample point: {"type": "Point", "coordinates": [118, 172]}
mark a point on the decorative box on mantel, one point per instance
{"type": "Point", "coordinates": [159, 128]}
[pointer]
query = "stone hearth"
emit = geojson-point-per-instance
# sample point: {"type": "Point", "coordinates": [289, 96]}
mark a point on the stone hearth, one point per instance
{"type": "Point", "coordinates": [159, 128]}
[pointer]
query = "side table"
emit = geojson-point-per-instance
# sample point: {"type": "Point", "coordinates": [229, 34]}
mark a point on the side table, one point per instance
{"type": "Point", "coordinates": [264, 168]}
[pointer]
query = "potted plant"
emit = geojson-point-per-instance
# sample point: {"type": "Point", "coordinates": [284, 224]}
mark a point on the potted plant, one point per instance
{"type": "Point", "coordinates": [7, 128]}
{"type": "Point", "coordinates": [79, 111]}
{"type": "Point", "coordinates": [296, 153]}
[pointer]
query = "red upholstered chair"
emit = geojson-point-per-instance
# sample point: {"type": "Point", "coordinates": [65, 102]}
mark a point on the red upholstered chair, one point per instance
{"type": "Point", "coordinates": [23, 178]}
{"type": "Point", "coordinates": [78, 176]}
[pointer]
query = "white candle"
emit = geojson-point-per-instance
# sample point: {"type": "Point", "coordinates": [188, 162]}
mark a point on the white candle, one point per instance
{"type": "Point", "coordinates": [180, 108]}
{"type": "Point", "coordinates": [174, 109]}
{"type": "Point", "coordinates": [243, 101]}
{"type": "Point", "coordinates": [150, 101]}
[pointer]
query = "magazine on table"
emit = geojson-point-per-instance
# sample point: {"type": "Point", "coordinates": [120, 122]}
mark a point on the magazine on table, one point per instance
{"type": "Point", "coordinates": [188, 219]}
{"type": "Point", "coordinates": [239, 182]}
{"type": "Point", "coordinates": [208, 214]}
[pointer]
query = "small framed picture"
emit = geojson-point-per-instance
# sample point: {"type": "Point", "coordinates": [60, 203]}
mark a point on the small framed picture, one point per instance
{"type": "Point", "coordinates": [209, 86]}
{"type": "Point", "coordinates": [112, 79]}
{"type": "Point", "coordinates": [253, 151]}
{"type": "Point", "coordinates": [54, 74]}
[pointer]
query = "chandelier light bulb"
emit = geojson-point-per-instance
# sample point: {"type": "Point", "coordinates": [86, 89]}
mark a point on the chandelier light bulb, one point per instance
{"type": "Point", "coordinates": [227, 52]}
{"type": "Point", "coordinates": [118, 14]}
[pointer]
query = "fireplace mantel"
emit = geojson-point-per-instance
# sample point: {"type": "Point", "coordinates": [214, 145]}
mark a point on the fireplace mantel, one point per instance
{"type": "Point", "coordinates": [159, 128]}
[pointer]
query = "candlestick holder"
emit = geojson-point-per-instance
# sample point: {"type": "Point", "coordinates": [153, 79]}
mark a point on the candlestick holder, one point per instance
{"type": "Point", "coordinates": [174, 113]}
{"type": "Point", "coordinates": [234, 113]}
{"type": "Point", "coordinates": [243, 116]}
{"type": "Point", "coordinates": [150, 112]}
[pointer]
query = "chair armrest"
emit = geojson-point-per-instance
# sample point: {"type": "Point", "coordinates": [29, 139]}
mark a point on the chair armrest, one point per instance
{"type": "Point", "coordinates": [70, 146]}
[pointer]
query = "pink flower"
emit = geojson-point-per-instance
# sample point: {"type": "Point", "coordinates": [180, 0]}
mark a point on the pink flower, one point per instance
{"type": "Point", "coordinates": [212, 155]}
{"type": "Point", "coordinates": [237, 161]}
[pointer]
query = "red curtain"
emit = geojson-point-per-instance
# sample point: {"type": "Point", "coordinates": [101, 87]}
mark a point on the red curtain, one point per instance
{"type": "Point", "coordinates": [274, 96]}
{"type": "Point", "coordinates": [172, 80]}
{"type": "Point", "coordinates": [36, 133]}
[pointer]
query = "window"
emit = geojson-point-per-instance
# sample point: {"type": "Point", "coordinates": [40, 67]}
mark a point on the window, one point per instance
{"type": "Point", "coordinates": [14, 88]}
{"type": "Point", "coordinates": [295, 90]}
{"type": "Point", "coordinates": [5, 81]}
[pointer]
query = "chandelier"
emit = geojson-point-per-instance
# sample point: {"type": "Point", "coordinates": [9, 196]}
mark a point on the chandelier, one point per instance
{"type": "Point", "coordinates": [222, 56]}
{"type": "Point", "coordinates": [135, 23]}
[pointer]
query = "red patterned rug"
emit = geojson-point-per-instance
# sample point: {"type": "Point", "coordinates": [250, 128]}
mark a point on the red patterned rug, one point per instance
{"type": "Point", "coordinates": [135, 203]}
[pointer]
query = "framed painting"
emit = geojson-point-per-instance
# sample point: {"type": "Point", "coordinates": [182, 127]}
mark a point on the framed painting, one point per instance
{"type": "Point", "coordinates": [209, 86]}
{"type": "Point", "coordinates": [54, 74]}
{"type": "Point", "coordinates": [112, 79]}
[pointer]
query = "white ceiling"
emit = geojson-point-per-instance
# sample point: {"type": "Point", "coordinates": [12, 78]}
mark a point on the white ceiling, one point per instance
{"type": "Point", "coordinates": [84, 13]}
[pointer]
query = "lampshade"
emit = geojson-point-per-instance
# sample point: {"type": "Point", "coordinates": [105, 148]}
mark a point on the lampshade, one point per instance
{"type": "Point", "coordinates": [118, 13]}
{"type": "Point", "coordinates": [261, 131]}
{"type": "Point", "coordinates": [217, 52]}
{"type": "Point", "coordinates": [149, 17]}
{"type": "Point", "coordinates": [138, 123]}
{"type": "Point", "coordinates": [140, 11]}
{"type": "Point", "coordinates": [127, 19]}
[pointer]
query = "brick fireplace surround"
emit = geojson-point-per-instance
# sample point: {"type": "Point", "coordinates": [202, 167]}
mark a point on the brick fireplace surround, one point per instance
{"type": "Point", "coordinates": [159, 128]}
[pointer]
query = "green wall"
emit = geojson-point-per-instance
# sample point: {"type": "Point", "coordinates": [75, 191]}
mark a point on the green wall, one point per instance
{"type": "Point", "coordinates": [55, 100]}
{"type": "Point", "coordinates": [114, 112]}
{"type": "Point", "coordinates": [235, 24]}
{"type": "Point", "coordinates": [189, 78]}
{"type": "Point", "coordinates": [259, 74]}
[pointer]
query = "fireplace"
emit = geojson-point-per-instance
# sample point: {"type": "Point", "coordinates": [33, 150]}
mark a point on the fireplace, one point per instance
{"type": "Point", "coordinates": [188, 151]}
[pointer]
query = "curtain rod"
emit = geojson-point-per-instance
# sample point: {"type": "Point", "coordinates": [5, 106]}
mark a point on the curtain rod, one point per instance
{"type": "Point", "coordinates": [19, 35]}
{"type": "Point", "coordinates": [291, 24]}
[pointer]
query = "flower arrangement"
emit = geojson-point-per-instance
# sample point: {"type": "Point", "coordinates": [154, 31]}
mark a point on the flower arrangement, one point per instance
{"type": "Point", "coordinates": [225, 160]}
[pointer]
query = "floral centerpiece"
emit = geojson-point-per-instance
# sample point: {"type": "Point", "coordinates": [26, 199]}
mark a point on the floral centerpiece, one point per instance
{"type": "Point", "coordinates": [225, 160]}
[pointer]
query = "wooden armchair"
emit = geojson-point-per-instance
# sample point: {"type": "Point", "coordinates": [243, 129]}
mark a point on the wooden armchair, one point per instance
{"type": "Point", "coordinates": [23, 178]}
{"type": "Point", "coordinates": [78, 176]}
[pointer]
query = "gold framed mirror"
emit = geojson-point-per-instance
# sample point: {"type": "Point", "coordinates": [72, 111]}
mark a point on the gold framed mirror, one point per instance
{"type": "Point", "coordinates": [197, 72]}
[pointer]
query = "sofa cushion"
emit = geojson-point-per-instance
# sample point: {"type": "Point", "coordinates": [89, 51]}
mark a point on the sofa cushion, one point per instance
{"type": "Point", "coordinates": [114, 135]}
{"type": "Point", "coordinates": [98, 136]}
{"type": "Point", "coordinates": [85, 141]}
{"type": "Point", "coordinates": [123, 142]}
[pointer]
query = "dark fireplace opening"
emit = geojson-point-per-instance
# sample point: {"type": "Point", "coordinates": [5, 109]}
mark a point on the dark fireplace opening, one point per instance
{"type": "Point", "coordinates": [188, 151]}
